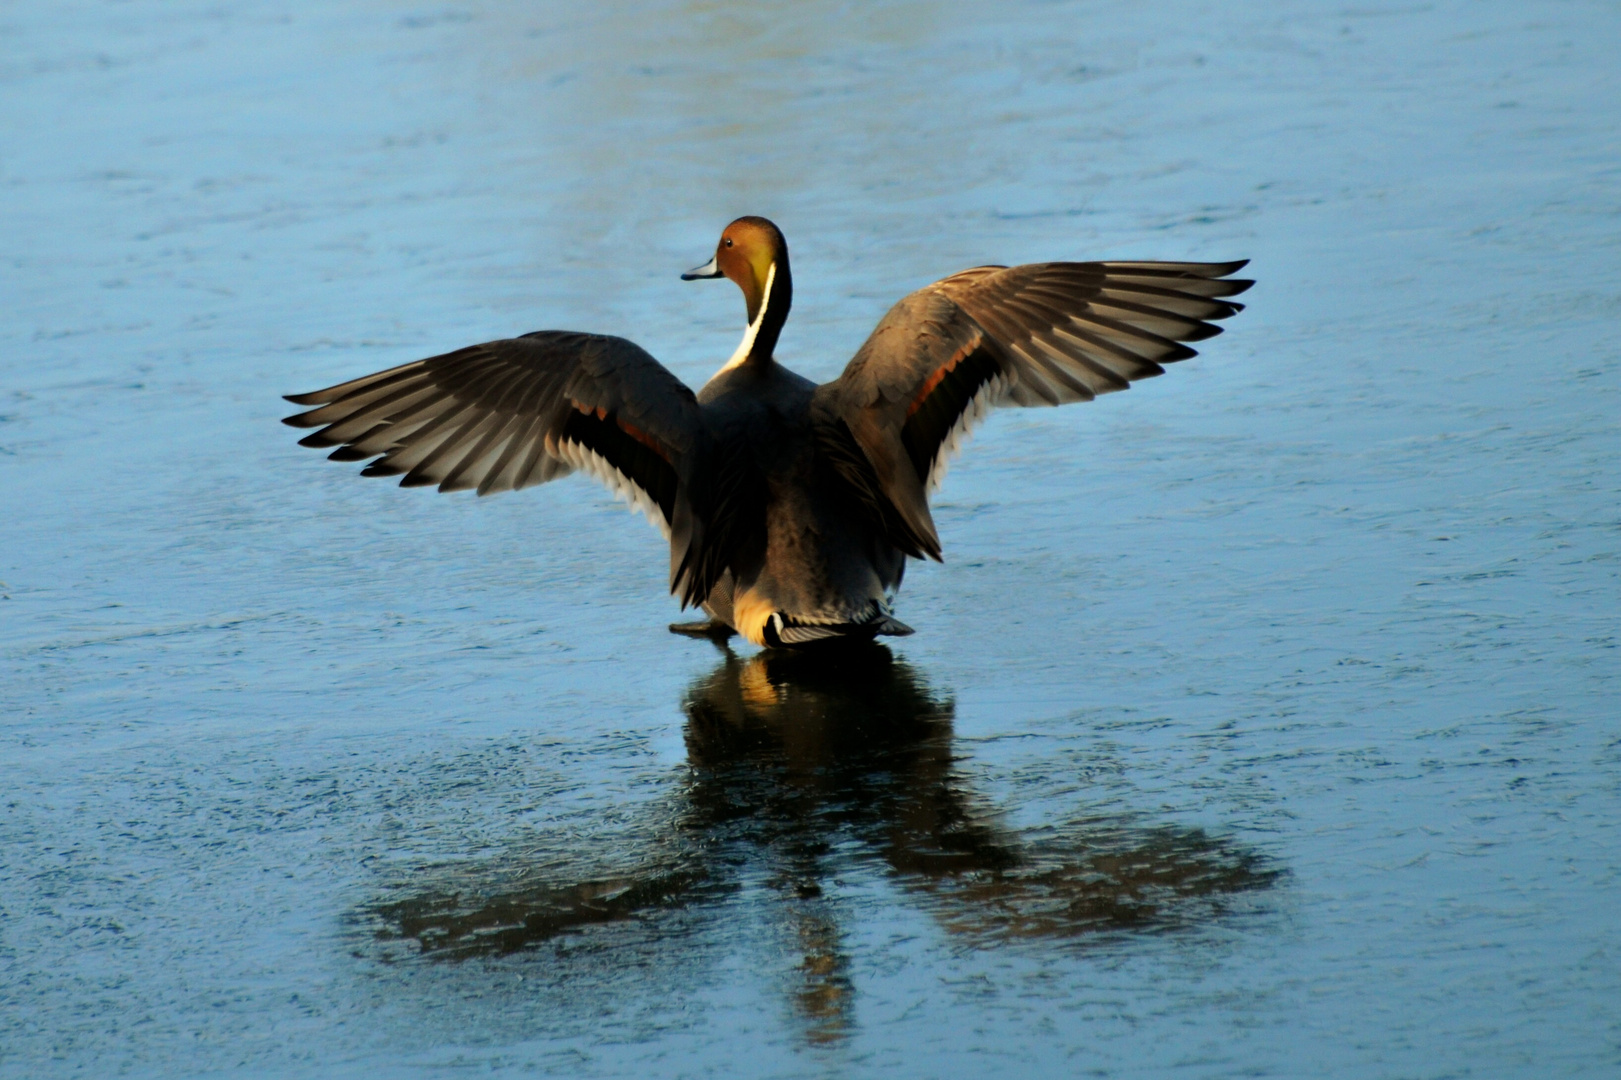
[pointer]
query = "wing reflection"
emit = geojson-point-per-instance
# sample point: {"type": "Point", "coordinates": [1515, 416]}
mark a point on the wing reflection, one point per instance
{"type": "Point", "coordinates": [803, 766]}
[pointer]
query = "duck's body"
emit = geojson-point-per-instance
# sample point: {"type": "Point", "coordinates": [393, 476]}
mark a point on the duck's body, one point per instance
{"type": "Point", "coordinates": [790, 507]}
{"type": "Point", "coordinates": [817, 563]}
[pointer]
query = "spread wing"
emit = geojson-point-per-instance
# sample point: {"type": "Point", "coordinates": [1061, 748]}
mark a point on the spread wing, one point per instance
{"type": "Point", "coordinates": [509, 414]}
{"type": "Point", "coordinates": [1040, 334]}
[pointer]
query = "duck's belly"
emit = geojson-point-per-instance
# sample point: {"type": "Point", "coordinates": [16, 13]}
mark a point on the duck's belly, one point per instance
{"type": "Point", "coordinates": [822, 564]}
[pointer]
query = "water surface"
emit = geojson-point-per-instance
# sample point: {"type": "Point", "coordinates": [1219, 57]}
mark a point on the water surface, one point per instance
{"type": "Point", "coordinates": [1261, 721]}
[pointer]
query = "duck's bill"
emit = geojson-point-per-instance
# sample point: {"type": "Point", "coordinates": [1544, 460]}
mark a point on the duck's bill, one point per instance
{"type": "Point", "coordinates": [709, 269]}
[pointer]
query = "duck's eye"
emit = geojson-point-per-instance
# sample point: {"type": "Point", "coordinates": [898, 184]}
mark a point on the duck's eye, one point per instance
{"type": "Point", "coordinates": [728, 241]}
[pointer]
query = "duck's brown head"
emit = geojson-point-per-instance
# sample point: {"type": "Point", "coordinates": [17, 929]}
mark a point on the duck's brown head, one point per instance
{"type": "Point", "coordinates": [753, 253]}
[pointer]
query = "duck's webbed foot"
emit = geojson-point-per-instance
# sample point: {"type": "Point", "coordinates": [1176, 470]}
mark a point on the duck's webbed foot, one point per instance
{"type": "Point", "coordinates": [713, 629]}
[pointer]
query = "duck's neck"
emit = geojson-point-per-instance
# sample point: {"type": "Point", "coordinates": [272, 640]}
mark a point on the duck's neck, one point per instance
{"type": "Point", "coordinates": [765, 325]}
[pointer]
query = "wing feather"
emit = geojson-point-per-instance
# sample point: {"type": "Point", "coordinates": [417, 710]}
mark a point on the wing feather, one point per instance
{"type": "Point", "coordinates": [508, 414]}
{"type": "Point", "coordinates": [1039, 334]}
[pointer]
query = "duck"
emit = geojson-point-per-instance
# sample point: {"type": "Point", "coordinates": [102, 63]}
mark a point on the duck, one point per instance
{"type": "Point", "coordinates": [791, 508]}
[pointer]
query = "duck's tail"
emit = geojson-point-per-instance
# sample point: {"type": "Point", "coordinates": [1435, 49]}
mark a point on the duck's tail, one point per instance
{"type": "Point", "coordinates": [783, 630]}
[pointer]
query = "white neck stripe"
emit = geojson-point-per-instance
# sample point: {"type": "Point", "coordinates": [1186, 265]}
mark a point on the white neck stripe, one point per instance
{"type": "Point", "coordinates": [746, 346]}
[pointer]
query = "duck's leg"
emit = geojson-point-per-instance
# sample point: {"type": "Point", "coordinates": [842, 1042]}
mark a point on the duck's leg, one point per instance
{"type": "Point", "coordinates": [713, 629]}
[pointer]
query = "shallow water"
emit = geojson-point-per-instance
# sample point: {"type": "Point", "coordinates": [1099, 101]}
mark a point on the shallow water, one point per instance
{"type": "Point", "coordinates": [1260, 722]}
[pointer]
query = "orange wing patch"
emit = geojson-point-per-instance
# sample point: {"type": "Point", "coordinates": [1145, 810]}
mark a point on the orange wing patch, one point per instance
{"type": "Point", "coordinates": [941, 372]}
{"type": "Point", "coordinates": [628, 428]}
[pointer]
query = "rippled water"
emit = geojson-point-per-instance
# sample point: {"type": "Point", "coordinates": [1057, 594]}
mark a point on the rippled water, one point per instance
{"type": "Point", "coordinates": [1262, 721]}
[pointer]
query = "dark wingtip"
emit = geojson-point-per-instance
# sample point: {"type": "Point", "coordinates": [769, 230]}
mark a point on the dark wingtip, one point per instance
{"type": "Point", "coordinates": [348, 453]}
{"type": "Point", "coordinates": [1239, 285]}
{"type": "Point", "coordinates": [306, 399]}
{"type": "Point", "coordinates": [381, 468]}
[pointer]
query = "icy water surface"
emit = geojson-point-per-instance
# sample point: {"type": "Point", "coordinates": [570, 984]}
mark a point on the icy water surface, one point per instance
{"type": "Point", "coordinates": [1261, 722]}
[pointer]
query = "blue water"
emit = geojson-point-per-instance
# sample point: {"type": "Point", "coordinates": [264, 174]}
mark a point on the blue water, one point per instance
{"type": "Point", "coordinates": [1262, 721]}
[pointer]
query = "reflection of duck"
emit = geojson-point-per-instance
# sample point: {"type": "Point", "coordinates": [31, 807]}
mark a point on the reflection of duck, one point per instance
{"type": "Point", "coordinates": [802, 762]}
{"type": "Point", "coordinates": [791, 508]}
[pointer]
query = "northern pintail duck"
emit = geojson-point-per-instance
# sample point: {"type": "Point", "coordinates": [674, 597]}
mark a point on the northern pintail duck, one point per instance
{"type": "Point", "coordinates": [790, 508]}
